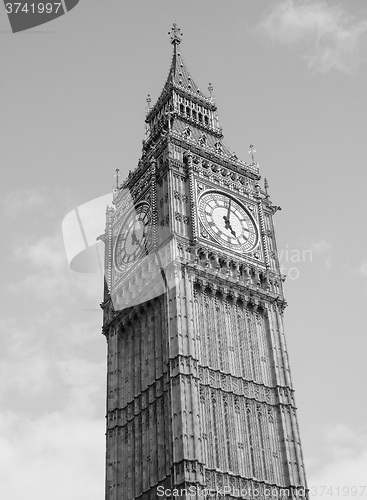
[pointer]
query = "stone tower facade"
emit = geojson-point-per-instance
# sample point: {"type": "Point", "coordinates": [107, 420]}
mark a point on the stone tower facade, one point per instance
{"type": "Point", "coordinates": [199, 391]}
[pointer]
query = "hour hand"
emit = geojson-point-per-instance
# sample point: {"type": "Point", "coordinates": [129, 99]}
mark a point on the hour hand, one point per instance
{"type": "Point", "coordinates": [232, 230]}
{"type": "Point", "coordinates": [228, 225]}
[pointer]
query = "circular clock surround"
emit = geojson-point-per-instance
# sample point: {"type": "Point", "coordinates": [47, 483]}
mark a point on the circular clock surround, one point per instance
{"type": "Point", "coordinates": [133, 237]}
{"type": "Point", "coordinates": [228, 221]}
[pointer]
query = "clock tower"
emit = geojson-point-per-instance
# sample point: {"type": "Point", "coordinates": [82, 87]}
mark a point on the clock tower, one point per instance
{"type": "Point", "coordinates": [199, 391]}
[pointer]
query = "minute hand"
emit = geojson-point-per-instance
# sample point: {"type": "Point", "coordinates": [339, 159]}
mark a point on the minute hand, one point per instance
{"type": "Point", "coordinates": [229, 210]}
{"type": "Point", "coordinates": [226, 217]}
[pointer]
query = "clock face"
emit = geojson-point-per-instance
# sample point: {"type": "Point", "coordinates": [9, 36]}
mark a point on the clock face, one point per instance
{"type": "Point", "coordinates": [228, 222]}
{"type": "Point", "coordinates": [132, 239]}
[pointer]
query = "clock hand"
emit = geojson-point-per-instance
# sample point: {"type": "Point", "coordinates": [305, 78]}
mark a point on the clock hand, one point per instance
{"type": "Point", "coordinates": [229, 209]}
{"type": "Point", "coordinates": [228, 225]}
{"type": "Point", "coordinates": [232, 230]}
{"type": "Point", "coordinates": [227, 217]}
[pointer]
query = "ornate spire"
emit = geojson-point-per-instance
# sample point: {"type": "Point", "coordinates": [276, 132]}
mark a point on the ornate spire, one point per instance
{"type": "Point", "coordinates": [178, 74]}
{"type": "Point", "coordinates": [188, 110]}
{"type": "Point", "coordinates": [176, 35]}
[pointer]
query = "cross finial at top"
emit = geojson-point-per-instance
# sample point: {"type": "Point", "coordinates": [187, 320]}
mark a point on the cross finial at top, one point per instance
{"type": "Point", "coordinates": [176, 35]}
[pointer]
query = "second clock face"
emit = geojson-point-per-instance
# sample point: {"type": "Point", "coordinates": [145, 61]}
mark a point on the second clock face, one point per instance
{"type": "Point", "coordinates": [228, 222]}
{"type": "Point", "coordinates": [132, 239]}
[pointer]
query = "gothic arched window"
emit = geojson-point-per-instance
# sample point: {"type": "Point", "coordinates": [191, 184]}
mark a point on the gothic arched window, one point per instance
{"type": "Point", "coordinates": [187, 133]}
{"type": "Point", "coordinates": [218, 147]}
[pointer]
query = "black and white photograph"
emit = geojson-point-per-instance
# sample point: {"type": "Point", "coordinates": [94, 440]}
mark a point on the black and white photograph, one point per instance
{"type": "Point", "coordinates": [184, 278]}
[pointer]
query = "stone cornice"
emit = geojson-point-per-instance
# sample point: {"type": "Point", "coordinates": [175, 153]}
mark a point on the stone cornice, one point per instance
{"type": "Point", "coordinates": [180, 371]}
{"type": "Point", "coordinates": [227, 286]}
{"type": "Point", "coordinates": [235, 166]}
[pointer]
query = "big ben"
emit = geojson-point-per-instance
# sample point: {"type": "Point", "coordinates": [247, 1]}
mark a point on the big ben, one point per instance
{"type": "Point", "coordinates": [199, 390]}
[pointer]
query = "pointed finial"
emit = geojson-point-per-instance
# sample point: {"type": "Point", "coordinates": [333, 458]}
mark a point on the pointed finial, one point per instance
{"type": "Point", "coordinates": [266, 186]}
{"type": "Point", "coordinates": [170, 113]}
{"type": "Point", "coordinates": [252, 153]}
{"type": "Point", "coordinates": [210, 88]}
{"type": "Point", "coordinates": [176, 35]}
{"type": "Point", "coordinates": [149, 100]}
{"type": "Point", "coordinates": [117, 177]}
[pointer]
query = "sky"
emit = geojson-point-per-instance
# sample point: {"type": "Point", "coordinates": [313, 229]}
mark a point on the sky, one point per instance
{"type": "Point", "coordinates": [290, 77]}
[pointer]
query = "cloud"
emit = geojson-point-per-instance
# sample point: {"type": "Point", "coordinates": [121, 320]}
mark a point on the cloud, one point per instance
{"type": "Point", "coordinates": [52, 363]}
{"type": "Point", "coordinates": [333, 38]}
{"type": "Point", "coordinates": [42, 252]}
{"type": "Point", "coordinates": [23, 200]}
{"type": "Point", "coordinates": [361, 272]}
{"type": "Point", "coordinates": [363, 269]}
{"type": "Point", "coordinates": [343, 472]}
{"type": "Point", "coordinates": [321, 246]}
{"type": "Point", "coordinates": [322, 249]}
{"type": "Point", "coordinates": [56, 331]}
{"type": "Point", "coordinates": [45, 275]}
{"type": "Point", "coordinates": [356, 271]}
{"type": "Point", "coordinates": [52, 433]}
{"type": "Point", "coordinates": [53, 456]}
